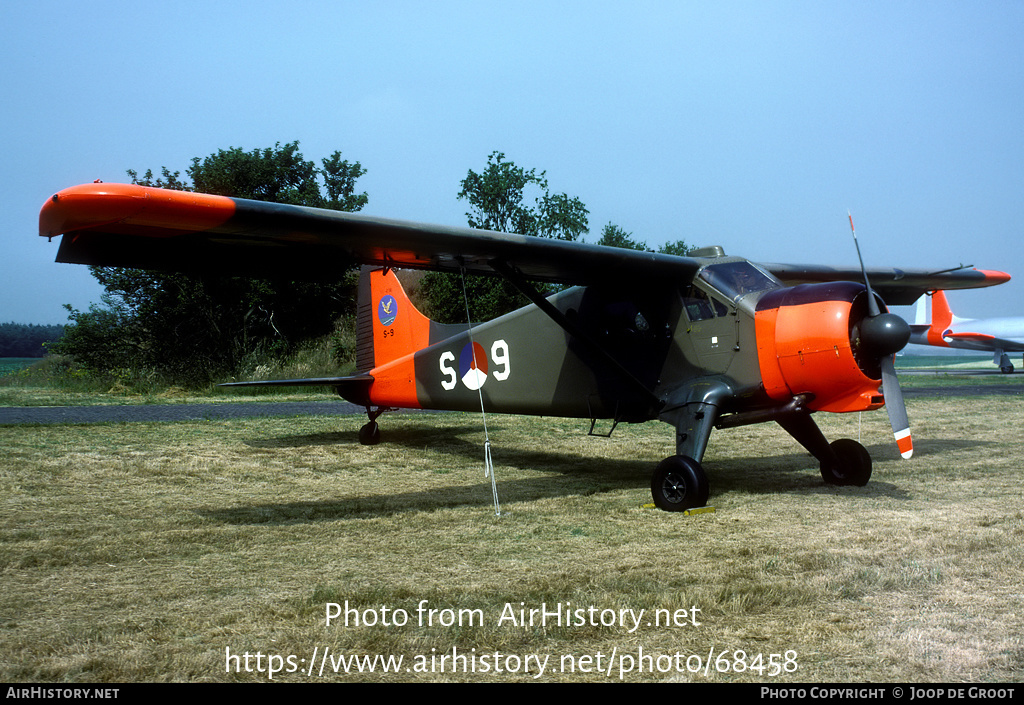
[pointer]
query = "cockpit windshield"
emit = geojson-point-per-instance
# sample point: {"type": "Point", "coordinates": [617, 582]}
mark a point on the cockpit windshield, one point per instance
{"type": "Point", "coordinates": [737, 279]}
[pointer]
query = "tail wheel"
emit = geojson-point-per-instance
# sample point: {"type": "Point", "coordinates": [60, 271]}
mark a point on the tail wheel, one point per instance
{"type": "Point", "coordinates": [369, 434]}
{"type": "Point", "coordinates": [853, 466]}
{"type": "Point", "coordinates": [679, 483]}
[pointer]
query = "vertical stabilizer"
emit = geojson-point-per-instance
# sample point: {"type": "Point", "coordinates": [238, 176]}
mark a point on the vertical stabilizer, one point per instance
{"type": "Point", "coordinates": [388, 325]}
{"type": "Point", "coordinates": [942, 318]}
{"type": "Point", "coordinates": [921, 312]}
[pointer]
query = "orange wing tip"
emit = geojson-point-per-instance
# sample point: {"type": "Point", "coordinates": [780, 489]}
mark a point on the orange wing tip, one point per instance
{"type": "Point", "coordinates": [89, 206]}
{"type": "Point", "coordinates": [994, 276]}
{"type": "Point", "coordinates": [124, 206]}
{"type": "Point", "coordinates": [905, 443]}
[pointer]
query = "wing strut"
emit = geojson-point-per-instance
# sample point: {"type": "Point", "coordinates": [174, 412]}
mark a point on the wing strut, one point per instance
{"type": "Point", "coordinates": [529, 291]}
{"type": "Point", "coordinates": [488, 462]}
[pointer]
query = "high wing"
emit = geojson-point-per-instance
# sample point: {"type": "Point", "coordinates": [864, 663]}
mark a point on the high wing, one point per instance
{"type": "Point", "coordinates": [898, 287]}
{"type": "Point", "coordinates": [135, 226]}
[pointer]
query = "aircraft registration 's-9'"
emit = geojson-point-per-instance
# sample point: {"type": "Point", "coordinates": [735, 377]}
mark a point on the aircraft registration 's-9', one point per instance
{"type": "Point", "coordinates": [701, 342]}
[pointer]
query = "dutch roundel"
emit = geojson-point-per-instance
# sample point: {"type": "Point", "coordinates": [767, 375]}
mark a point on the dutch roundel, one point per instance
{"type": "Point", "coordinates": [473, 367]}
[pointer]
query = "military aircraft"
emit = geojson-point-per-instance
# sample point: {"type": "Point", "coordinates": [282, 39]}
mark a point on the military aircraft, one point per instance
{"type": "Point", "coordinates": [701, 342]}
{"type": "Point", "coordinates": [996, 335]}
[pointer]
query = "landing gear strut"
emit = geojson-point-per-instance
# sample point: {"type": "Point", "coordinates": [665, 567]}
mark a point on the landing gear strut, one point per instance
{"type": "Point", "coordinates": [843, 462]}
{"type": "Point", "coordinates": [679, 482]}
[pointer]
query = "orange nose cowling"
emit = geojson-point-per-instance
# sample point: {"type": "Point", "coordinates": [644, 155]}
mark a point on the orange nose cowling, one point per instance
{"type": "Point", "coordinates": [804, 347]}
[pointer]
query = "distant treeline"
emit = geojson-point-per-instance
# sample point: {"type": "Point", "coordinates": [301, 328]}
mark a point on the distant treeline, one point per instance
{"type": "Point", "coordinates": [19, 340]}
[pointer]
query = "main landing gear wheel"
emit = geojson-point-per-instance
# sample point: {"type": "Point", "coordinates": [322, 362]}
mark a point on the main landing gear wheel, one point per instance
{"type": "Point", "coordinates": [1005, 366]}
{"type": "Point", "coordinates": [369, 434]}
{"type": "Point", "coordinates": [854, 467]}
{"type": "Point", "coordinates": [679, 483]}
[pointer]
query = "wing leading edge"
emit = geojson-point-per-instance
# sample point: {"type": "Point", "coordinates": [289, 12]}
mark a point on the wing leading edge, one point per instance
{"type": "Point", "coordinates": [898, 287]}
{"type": "Point", "coordinates": [136, 226]}
{"type": "Point", "coordinates": [126, 225]}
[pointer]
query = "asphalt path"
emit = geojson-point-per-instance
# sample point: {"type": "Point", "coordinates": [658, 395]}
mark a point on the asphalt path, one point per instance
{"type": "Point", "coordinates": [129, 413]}
{"type": "Point", "coordinates": [142, 413]}
{"type": "Point", "coordinates": [966, 390]}
{"type": "Point", "coordinates": [920, 371]}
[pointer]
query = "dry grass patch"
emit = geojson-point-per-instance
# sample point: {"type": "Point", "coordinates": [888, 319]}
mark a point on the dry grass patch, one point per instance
{"type": "Point", "coordinates": [141, 552]}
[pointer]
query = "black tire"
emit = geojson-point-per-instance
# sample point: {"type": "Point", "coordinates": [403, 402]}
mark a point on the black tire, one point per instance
{"type": "Point", "coordinates": [854, 467]}
{"type": "Point", "coordinates": [369, 434]}
{"type": "Point", "coordinates": [1005, 365]}
{"type": "Point", "coordinates": [679, 483]}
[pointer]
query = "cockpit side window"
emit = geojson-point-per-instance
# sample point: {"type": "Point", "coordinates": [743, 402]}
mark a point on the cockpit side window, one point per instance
{"type": "Point", "coordinates": [737, 279]}
{"type": "Point", "coordinates": [699, 306]}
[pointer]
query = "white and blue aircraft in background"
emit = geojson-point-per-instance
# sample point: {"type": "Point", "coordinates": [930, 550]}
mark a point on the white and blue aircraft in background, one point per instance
{"type": "Point", "coordinates": [998, 336]}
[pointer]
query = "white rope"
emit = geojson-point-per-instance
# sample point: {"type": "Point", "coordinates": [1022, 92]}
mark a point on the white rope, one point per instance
{"type": "Point", "coordinates": [488, 464]}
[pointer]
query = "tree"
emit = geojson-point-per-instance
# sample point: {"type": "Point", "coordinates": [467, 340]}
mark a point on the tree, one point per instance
{"type": "Point", "coordinates": [102, 338]}
{"type": "Point", "coordinates": [498, 200]}
{"type": "Point", "coordinates": [19, 340]}
{"type": "Point", "coordinates": [679, 248]}
{"type": "Point", "coordinates": [614, 236]}
{"type": "Point", "coordinates": [192, 330]}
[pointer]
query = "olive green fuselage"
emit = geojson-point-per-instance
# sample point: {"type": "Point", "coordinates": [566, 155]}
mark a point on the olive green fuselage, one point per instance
{"type": "Point", "coordinates": [635, 354]}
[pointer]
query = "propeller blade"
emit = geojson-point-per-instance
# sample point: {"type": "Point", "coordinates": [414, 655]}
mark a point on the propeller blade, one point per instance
{"type": "Point", "coordinates": [885, 334]}
{"type": "Point", "coordinates": [896, 408]}
{"type": "Point", "coordinates": [873, 309]}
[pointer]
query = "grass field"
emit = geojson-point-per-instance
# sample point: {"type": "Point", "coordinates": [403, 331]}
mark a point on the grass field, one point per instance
{"type": "Point", "coordinates": [157, 552]}
{"type": "Point", "coordinates": [948, 363]}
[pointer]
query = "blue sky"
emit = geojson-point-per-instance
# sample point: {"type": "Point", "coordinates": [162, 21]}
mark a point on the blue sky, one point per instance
{"type": "Point", "coordinates": [752, 125]}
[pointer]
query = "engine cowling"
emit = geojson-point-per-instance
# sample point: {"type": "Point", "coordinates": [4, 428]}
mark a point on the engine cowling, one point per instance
{"type": "Point", "coordinates": [818, 340]}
